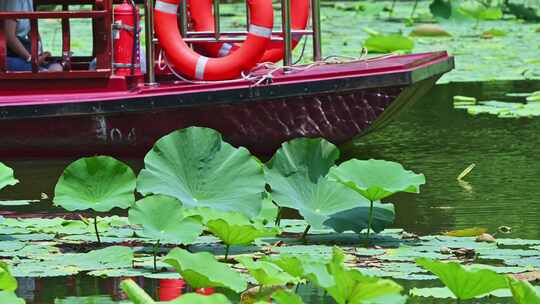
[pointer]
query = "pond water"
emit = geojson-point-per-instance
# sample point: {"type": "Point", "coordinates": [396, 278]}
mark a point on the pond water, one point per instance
{"type": "Point", "coordinates": [432, 138]}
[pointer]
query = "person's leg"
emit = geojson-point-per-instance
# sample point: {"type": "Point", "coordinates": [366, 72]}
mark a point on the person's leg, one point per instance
{"type": "Point", "coordinates": [17, 64]}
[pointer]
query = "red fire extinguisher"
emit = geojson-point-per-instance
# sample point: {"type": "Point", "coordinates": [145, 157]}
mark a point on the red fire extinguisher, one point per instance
{"type": "Point", "coordinates": [126, 34]}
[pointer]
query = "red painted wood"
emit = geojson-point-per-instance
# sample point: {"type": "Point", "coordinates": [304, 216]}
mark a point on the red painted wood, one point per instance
{"type": "Point", "coordinates": [3, 47]}
{"type": "Point", "coordinates": [54, 15]}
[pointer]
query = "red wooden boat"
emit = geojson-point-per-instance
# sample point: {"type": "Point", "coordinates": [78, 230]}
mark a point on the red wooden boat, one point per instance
{"type": "Point", "coordinates": [81, 112]}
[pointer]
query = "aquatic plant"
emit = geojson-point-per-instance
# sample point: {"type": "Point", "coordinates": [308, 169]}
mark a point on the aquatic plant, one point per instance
{"type": "Point", "coordinates": [198, 168]}
{"type": "Point", "coordinates": [296, 175]}
{"type": "Point", "coordinates": [202, 270]}
{"type": "Point", "coordinates": [376, 180]}
{"type": "Point", "coordinates": [305, 267]}
{"type": "Point", "coordinates": [351, 286]}
{"type": "Point", "coordinates": [6, 176]}
{"type": "Point", "coordinates": [465, 282]}
{"type": "Point", "coordinates": [388, 43]}
{"type": "Point", "coordinates": [138, 296]}
{"type": "Point", "coordinates": [98, 183]}
{"type": "Point", "coordinates": [164, 220]}
{"type": "Point", "coordinates": [8, 285]}
{"type": "Point", "coordinates": [523, 292]}
{"type": "Point", "coordinates": [267, 274]}
{"type": "Point", "coordinates": [286, 297]}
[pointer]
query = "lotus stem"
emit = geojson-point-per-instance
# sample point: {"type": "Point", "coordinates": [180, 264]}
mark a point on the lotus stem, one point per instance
{"type": "Point", "coordinates": [370, 222]}
{"type": "Point", "coordinates": [156, 245]}
{"type": "Point", "coordinates": [278, 218]}
{"type": "Point", "coordinates": [304, 235]}
{"type": "Point", "coordinates": [227, 247]}
{"type": "Point", "coordinates": [97, 232]}
{"type": "Point", "coordinates": [414, 8]}
{"type": "Point", "coordinates": [392, 8]}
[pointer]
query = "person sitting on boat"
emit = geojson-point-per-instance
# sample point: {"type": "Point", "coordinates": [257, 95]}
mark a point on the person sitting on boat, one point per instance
{"type": "Point", "coordinates": [19, 46]}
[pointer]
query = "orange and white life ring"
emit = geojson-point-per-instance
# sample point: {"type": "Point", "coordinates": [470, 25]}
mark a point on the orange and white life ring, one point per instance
{"type": "Point", "coordinates": [196, 66]}
{"type": "Point", "coordinates": [203, 20]}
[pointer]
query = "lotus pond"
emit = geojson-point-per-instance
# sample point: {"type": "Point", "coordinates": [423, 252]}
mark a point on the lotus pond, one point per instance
{"type": "Point", "coordinates": [456, 179]}
{"type": "Point", "coordinates": [54, 253]}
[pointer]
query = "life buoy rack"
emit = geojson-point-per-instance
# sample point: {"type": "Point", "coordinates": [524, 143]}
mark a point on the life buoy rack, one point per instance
{"type": "Point", "coordinates": [197, 66]}
{"type": "Point", "coordinates": [203, 20]}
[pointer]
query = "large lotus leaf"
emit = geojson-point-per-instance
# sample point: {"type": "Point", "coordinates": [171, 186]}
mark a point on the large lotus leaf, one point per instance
{"type": "Point", "coordinates": [269, 210]}
{"type": "Point", "coordinates": [465, 282]}
{"type": "Point", "coordinates": [523, 292]}
{"type": "Point", "coordinates": [357, 219]}
{"type": "Point", "coordinates": [99, 183]}
{"type": "Point", "coordinates": [202, 270]}
{"type": "Point", "coordinates": [10, 297]}
{"type": "Point", "coordinates": [106, 258]}
{"type": "Point", "coordinates": [304, 266]}
{"type": "Point", "coordinates": [266, 273]}
{"type": "Point", "coordinates": [197, 167]}
{"type": "Point", "coordinates": [351, 286]}
{"type": "Point", "coordinates": [315, 201]}
{"type": "Point", "coordinates": [377, 179]}
{"type": "Point", "coordinates": [162, 218]}
{"type": "Point", "coordinates": [312, 156]}
{"type": "Point", "coordinates": [239, 234]}
{"type": "Point", "coordinates": [7, 281]}
{"type": "Point", "coordinates": [6, 176]}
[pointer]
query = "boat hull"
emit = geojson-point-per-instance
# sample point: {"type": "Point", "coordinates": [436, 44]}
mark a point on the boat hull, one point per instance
{"type": "Point", "coordinates": [336, 102]}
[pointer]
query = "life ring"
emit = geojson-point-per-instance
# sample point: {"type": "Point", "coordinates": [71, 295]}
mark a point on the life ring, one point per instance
{"type": "Point", "coordinates": [202, 17]}
{"type": "Point", "coordinates": [196, 66]}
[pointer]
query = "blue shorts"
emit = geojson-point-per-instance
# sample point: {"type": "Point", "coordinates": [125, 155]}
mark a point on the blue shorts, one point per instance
{"type": "Point", "coordinates": [17, 64]}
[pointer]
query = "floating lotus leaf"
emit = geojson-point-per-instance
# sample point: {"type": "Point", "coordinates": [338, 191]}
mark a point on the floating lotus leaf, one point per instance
{"type": "Point", "coordinates": [197, 167]}
{"type": "Point", "coordinates": [523, 292]}
{"type": "Point", "coordinates": [351, 286]}
{"type": "Point", "coordinates": [107, 258]}
{"type": "Point", "coordinates": [266, 273]}
{"type": "Point", "coordinates": [6, 176]}
{"type": "Point", "coordinates": [357, 219]}
{"type": "Point", "coordinates": [377, 179]}
{"type": "Point", "coordinates": [101, 299]}
{"type": "Point", "coordinates": [10, 297]}
{"type": "Point", "coordinates": [163, 219]}
{"type": "Point", "coordinates": [464, 282]}
{"type": "Point", "coordinates": [444, 292]}
{"type": "Point", "coordinates": [202, 270]}
{"type": "Point", "coordinates": [99, 183]}
{"type": "Point", "coordinates": [388, 43]}
{"type": "Point", "coordinates": [470, 232]}
{"type": "Point", "coordinates": [304, 266]}
{"type": "Point", "coordinates": [18, 202]}
{"type": "Point", "coordinates": [7, 281]}
{"type": "Point", "coordinates": [286, 297]}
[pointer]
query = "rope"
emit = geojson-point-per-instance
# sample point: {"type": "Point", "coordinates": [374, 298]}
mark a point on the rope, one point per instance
{"type": "Point", "coordinates": [274, 68]}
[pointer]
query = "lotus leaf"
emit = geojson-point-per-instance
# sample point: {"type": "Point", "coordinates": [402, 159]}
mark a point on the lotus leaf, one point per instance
{"type": "Point", "coordinates": [464, 282]}
{"type": "Point", "coordinates": [266, 273]}
{"type": "Point", "coordinates": [7, 281]}
{"type": "Point", "coordinates": [195, 298]}
{"type": "Point", "coordinates": [357, 219]}
{"type": "Point", "coordinates": [163, 219]}
{"type": "Point", "coordinates": [388, 43]}
{"type": "Point", "coordinates": [311, 156]}
{"type": "Point", "coordinates": [303, 266]}
{"type": "Point", "coordinates": [202, 270]}
{"type": "Point", "coordinates": [269, 210]}
{"type": "Point", "coordinates": [6, 176]}
{"type": "Point", "coordinates": [315, 201]}
{"type": "Point", "coordinates": [10, 297]}
{"type": "Point", "coordinates": [197, 167]}
{"type": "Point", "coordinates": [351, 286]}
{"type": "Point", "coordinates": [238, 234]}
{"type": "Point", "coordinates": [208, 214]}
{"type": "Point", "coordinates": [286, 297]}
{"type": "Point", "coordinates": [480, 11]}
{"type": "Point", "coordinates": [470, 232]}
{"type": "Point", "coordinates": [99, 183]}
{"type": "Point", "coordinates": [377, 179]}
{"type": "Point", "coordinates": [523, 292]}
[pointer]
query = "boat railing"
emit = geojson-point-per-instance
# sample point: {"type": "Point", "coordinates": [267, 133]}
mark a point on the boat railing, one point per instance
{"type": "Point", "coordinates": [102, 19]}
{"type": "Point", "coordinates": [286, 33]}
{"type": "Point", "coordinates": [101, 15]}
